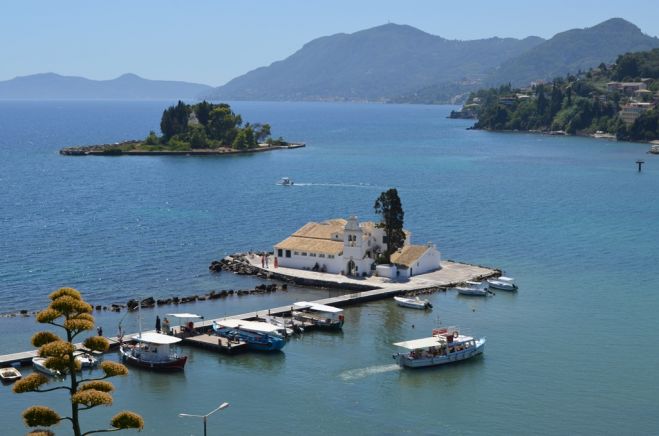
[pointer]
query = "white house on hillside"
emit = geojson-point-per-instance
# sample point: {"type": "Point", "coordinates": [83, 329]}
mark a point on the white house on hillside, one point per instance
{"type": "Point", "coordinates": [348, 247]}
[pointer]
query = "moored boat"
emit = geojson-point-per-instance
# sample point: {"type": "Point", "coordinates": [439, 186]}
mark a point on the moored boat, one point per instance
{"type": "Point", "coordinates": [259, 336]}
{"type": "Point", "coordinates": [444, 346]}
{"type": "Point", "coordinates": [39, 364]}
{"type": "Point", "coordinates": [10, 374]}
{"type": "Point", "coordinates": [477, 289]}
{"type": "Point", "coordinates": [318, 315]}
{"type": "Point", "coordinates": [86, 360]}
{"type": "Point", "coordinates": [504, 283]}
{"type": "Point", "coordinates": [152, 351]}
{"type": "Point", "coordinates": [413, 303]}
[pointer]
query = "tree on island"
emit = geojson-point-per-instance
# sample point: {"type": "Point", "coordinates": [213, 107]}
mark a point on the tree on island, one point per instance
{"type": "Point", "coordinates": [389, 207]}
{"type": "Point", "coordinates": [206, 125]}
{"type": "Point", "coordinates": [70, 312]}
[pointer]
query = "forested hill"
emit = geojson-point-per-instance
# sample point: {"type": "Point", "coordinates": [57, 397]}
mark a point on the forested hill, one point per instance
{"type": "Point", "coordinates": [573, 51]}
{"type": "Point", "coordinates": [374, 64]}
{"type": "Point", "coordinates": [619, 99]}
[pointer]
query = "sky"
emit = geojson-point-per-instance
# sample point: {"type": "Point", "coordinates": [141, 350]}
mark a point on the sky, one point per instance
{"type": "Point", "coordinates": [212, 42]}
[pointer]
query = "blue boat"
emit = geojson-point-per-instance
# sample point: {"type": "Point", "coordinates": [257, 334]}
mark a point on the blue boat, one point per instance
{"type": "Point", "coordinates": [259, 336]}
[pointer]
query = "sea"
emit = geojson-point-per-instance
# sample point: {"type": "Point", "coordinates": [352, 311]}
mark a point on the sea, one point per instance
{"type": "Point", "coordinates": [574, 351]}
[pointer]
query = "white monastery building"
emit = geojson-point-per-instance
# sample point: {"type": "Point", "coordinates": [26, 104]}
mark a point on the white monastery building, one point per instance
{"type": "Point", "coordinates": [350, 248]}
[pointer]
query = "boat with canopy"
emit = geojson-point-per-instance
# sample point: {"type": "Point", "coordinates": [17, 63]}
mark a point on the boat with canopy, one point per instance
{"type": "Point", "coordinates": [444, 346]}
{"type": "Point", "coordinates": [259, 336]}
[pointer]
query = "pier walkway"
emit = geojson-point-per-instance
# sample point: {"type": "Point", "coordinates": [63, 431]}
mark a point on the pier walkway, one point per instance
{"type": "Point", "coordinates": [375, 288]}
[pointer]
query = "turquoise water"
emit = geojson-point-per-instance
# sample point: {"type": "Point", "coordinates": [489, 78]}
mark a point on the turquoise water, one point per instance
{"type": "Point", "coordinates": [573, 352]}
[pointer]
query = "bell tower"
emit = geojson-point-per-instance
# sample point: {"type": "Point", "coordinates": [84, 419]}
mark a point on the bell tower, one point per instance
{"type": "Point", "coordinates": [352, 245]}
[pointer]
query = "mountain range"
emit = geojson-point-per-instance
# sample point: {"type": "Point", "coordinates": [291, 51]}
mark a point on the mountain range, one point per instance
{"type": "Point", "coordinates": [388, 63]}
{"type": "Point", "coordinates": [402, 64]}
{"type": "Point", "coordinates": [125, 87]}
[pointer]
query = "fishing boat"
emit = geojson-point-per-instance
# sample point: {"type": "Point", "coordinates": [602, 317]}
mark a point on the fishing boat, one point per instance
{"type": "Point", "coordinates": [318, 315]}
{"type": "Point", "coordinates": [444, 346]}
{"type": "Point", "coordinates": [413, 303]}
{"type": "Point", "coordinates": [504, 283]}
{"type": "Point", "coordinates": [86, 360]}
{"type": "Point", "coordinates": [10, 374]}
{"type": "Point", "coordinates": [152, 351]}
{"type": "Point", "coordinates": [285, 181]}
{"type": "Point", "coordinates": [39, 364]}
{"type": "Point", "coordinates": [477, 289]}
{"type": "Point", "coordinates": [259, 336]}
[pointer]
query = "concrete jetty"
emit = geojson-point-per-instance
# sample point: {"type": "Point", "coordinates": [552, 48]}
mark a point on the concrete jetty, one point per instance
{"type": "Point", "coordinates": [367, 289]}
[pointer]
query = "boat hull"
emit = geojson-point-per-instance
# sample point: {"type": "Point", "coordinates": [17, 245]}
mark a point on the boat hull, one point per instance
{"type": "Point", "coordinates": [171, 365]}
{"type": "Point", "coordinates": [38, 365]}
{"type": "Point", "coordinates": [9, 375]}
{"type": "Point", "coordinates": [413, 304]}
{"type": "Point", "coordinates": [255, 342]}
{"type": "Point", "coordinates": [405, 361]}
{"type": "Point", "coordinates": [503, 286]}
{"type": "Point", "coordinates": [472, 292]}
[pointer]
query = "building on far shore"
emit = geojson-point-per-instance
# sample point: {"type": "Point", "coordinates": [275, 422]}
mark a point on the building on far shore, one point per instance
{"type": "Point", "coordinates": [631, 111]}
{"type": "Point", "coordinates": [348, 247]}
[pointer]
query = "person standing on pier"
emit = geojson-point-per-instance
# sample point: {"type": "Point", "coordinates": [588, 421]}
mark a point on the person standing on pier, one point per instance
{"type": "Point", "coordinates": [157, 324]}
{"type": "Point", "coordinates": [262, 261]}
{"type": "Point", "coordinates": [165, 326]}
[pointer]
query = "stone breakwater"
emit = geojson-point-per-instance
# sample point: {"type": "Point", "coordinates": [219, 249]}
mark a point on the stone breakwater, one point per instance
{"type": "Point", "coordinates": [151, 302]}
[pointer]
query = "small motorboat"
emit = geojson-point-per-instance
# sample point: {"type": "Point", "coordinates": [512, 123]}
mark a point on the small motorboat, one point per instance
{"type": "Point", "coordinates": [476, 289]}
{"type": "Point", "coordinates": [413, 303]}
{"type": "Point", "coordinates": [285, 181]}
{"type": "Point", "coordinates": [39, 364]}
{"type": "Point", "coordinates": [86, 360]}
{"type": "Point", "coordinates": [10, 374]}
{"type": "Point", "coordinates": [444, 346]}
{"type": "Point", "coordinates": [318, 315]}
{"type": "Point", "coordinates": [504, 283]}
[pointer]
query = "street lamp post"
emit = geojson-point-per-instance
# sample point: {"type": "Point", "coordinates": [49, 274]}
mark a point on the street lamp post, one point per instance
{"type": "Point", "coordinates": [205, 417]}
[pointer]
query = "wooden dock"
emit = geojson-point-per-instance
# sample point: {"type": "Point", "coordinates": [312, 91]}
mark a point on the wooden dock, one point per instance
{"type": "Point", "coordinates": [215, 343]}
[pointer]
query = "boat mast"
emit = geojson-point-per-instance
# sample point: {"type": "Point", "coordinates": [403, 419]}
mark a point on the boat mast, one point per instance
{"type": "Point", "coordinates": [139, 318]}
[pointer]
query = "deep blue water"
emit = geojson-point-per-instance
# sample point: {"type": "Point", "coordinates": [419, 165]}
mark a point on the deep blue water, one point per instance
{"type": "Point", "coordinates": [574, 352]}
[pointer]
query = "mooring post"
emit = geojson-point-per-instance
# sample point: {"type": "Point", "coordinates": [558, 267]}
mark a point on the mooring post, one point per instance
{"type": "Point", "coordinates": [640, 164]}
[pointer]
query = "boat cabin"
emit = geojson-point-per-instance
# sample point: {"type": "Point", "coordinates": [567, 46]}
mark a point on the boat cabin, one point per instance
{"type": "Point", "coordinates": [154, 347]}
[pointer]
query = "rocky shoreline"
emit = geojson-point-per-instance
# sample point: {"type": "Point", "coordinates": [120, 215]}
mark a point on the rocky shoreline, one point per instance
{"type": "Point", "coordinates": [117, 149]}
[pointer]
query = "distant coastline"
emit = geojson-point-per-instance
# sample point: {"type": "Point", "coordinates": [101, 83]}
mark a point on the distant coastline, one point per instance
{"type": "Point", "coordinates": [125, 149]}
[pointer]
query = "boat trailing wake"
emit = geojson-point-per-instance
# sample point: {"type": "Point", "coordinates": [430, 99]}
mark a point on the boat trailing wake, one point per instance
{"type": "Point", "coordinates": [359, 373]}
{"type": "Point", "coordinates": [338, 185]}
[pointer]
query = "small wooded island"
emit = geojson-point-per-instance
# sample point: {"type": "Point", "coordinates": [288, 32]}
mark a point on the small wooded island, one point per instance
{"type": "Point", "coordinates": [199, 129]}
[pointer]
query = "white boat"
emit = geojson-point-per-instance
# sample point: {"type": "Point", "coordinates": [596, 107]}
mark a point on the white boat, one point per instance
{"type": "Point", "coordinates": [444, 346]}
{"type": "Point", "coordinates": [477, 289]}
{"type": "Point", "coordinates": [285, 181]}
{"type": "Point", "coordinates": [86, 360]}
{"type": "Point", "coordinates": [414, 303]}
{"type": "Point", "coordinates": [318, 315]}
{"type": "Point", "coordinates": [152, 351]}
{"type": "Point", "coordinates": [504, 283]}
{"type": "Point", "coordinates": [39, 365]}
{"type": "Point", "coordinates": [10, 374]}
